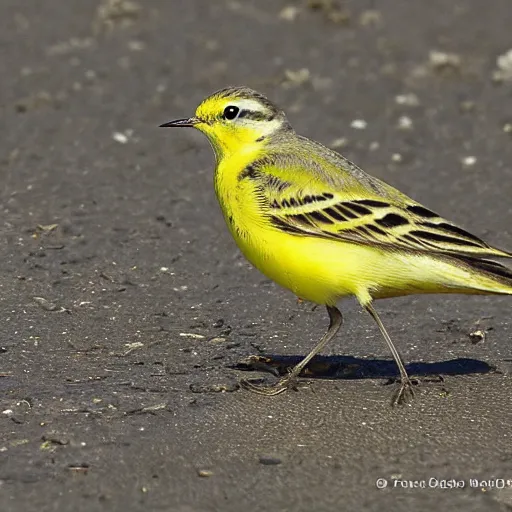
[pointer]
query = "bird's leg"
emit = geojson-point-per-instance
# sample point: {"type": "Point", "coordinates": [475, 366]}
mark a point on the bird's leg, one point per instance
{"type": "Point", "coordinates": [406, 391]}
{"type": "Point", "coordinates": [335, 322]}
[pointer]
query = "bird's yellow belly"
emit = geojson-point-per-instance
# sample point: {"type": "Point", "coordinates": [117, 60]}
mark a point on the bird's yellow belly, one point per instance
{"type": "Point", "coordinates": [313, 269]}
{"type": "Point", "coordinates": [323, 271]}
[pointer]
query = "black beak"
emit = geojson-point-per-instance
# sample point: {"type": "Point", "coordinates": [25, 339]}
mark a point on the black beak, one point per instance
{"type": "Point", "coordinates": [180, 123]}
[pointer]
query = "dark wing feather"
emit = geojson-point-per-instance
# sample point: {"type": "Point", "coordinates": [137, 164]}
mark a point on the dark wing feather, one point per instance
{"type": "Point", "coordinates": [301, 201]}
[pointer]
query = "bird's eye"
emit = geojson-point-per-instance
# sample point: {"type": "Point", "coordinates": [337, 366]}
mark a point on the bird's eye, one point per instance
{"type": "Point", "coordinates": [231, 112]}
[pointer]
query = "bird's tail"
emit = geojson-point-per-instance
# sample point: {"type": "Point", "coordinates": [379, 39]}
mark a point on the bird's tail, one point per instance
{"type": "Point", "coordinates": [493, 277]}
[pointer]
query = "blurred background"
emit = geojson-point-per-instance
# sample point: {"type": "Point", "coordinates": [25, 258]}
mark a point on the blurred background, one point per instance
{"type": "Point", "coordinates": [125, 301]}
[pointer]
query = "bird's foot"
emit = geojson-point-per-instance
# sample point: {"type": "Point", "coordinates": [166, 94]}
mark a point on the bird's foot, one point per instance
{"type": "Point", "coordinates": [279, 387]}
{"type": "Point", "coordinates": [405, 393]}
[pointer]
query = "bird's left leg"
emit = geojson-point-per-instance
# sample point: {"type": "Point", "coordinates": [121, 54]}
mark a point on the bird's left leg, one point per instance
{"type": "Point", "coordinates": [335, 322]}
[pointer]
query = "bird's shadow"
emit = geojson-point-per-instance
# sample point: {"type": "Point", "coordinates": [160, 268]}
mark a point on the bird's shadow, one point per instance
{"type": "Point", "coordinates": [348, 367]}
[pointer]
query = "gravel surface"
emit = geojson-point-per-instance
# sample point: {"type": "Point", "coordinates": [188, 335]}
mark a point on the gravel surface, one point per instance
{"type": "Point", "coordinates": [127, 310]}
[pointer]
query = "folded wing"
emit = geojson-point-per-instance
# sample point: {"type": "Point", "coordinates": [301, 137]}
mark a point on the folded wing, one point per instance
{"type": "Point", "coordinates": [340, 206]}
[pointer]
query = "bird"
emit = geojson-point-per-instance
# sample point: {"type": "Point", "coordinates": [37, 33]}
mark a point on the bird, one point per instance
{"type": "Point", "coordinates": [315, 223]}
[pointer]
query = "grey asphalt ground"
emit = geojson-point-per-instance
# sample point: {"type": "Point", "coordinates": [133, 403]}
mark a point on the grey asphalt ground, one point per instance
{"type": "Point", "coordinates": [126, 308]}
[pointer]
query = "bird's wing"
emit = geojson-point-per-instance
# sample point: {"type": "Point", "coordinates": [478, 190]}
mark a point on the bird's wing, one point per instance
{"type": "Point", "coordinates": [303, 195]}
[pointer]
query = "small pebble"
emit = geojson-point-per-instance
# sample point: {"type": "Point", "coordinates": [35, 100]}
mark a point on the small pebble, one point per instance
{"type": "Point", "coordinates": [192, 335]}
{"type": "Point", "coordinates": [289, 13]}
{"type": "Point", "coordinates": [120, 137]}
{"type": "Point", "coordinates": [404, 123]}
{"type": "Point", "coordinates": [409, 100]}
{"type": "Point", "coordinates": [477, 336]}
{"type": "Point", "coordinates": [269, 461]}
{"type": "Point", "coordinates": [443, 60]}
{"type": "Point", "coordinates": [359, 124]}
{"type": "Point", "coordinates": [217, 339]}
{"type": "Point", "coordinates": [339, 143]}
{"type": "Point", "coordinates": [504, 71]}
{"type": "Point", "coordinates": [469, 161]}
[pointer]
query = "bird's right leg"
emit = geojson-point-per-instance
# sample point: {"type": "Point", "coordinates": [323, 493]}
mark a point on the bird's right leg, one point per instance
{"type": "Point", "coordinates": [406, 389]}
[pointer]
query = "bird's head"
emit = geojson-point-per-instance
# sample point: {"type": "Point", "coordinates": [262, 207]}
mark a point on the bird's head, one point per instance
{"type": "Point", "coordinates": [236, 118]}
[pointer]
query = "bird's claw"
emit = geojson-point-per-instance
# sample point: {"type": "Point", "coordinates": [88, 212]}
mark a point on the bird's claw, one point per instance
{"type": "Point", "coordinates": [279, 387]}
{"type": "Point", "coordinates": [405, 393]}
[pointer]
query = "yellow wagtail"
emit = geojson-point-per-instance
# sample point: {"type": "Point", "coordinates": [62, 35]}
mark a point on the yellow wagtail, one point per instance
{"type": "Point", "coordinates": [318, 225]}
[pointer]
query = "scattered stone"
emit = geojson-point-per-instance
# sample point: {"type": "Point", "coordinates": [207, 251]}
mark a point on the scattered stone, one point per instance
{"type": "Point", "coordinates": [440, 61]}
{"type": "Point", "coordinates": [45, 303]}
{"type": "Point", "coordinates": [404, 123]}
{"type": "Point", "coordinates": [409, 99]}
{"type": "Point", "coordinates": [217, 339]}
{"type": "Point", "coordinates": [339, 143]}
{"type": "Point", "coordinates": [289, 13]}
{"type": "Point", "coordinates": [269, 460]}
{"type": "Point", "coordinates": [504, 71]}
{"type": "Point", "coordinates": [192, 335]}
{"type": "Point", "coordinates": [477, 336]}
{"type": "Point", "coordinates": [469, 161]}
{"type": "Point", "coordinates": [132, 347]}
{"type": "Point", "coordinates": [123, 137]}
{"type": "Point", "coordinates": [359, 124]}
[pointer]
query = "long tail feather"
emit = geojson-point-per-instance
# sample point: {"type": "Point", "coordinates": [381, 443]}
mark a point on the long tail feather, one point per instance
{"type": "Point", "coordinates": [499, 273]}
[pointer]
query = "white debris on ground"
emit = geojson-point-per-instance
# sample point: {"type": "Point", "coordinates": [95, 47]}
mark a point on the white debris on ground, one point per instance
{"type": "Point", "coordinates": [409, 99]}
{"type": "Point", "coordinates": [359, 124]}
{"type": "Point", "coordinates": [443, 60]}
{"type": "Point", "coordinates": [404, 123]}
{"type": "Point", "coordinates": [504, 71]}
{"type": "Point", "coordinates": [469, 161]}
